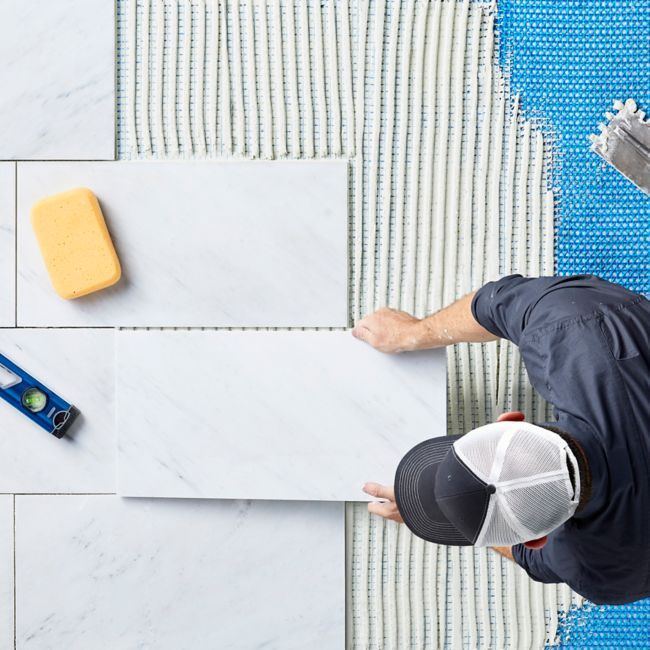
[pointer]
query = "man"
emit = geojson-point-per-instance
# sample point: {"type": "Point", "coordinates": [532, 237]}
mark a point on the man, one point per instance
{"type": "Point", "coordinates": [568, 501]}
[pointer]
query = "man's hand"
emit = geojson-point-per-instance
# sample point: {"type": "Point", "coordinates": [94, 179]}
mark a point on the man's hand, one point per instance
{"type": "Point", "coordinates": [386, 508]}
{"type": "Point", "coordinates": [389, 330]}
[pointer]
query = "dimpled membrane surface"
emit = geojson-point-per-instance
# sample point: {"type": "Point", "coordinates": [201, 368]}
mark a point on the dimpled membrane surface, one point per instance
{"type": "Point", "coordinates": [599, 626]}
{"type": "Point", "coordinates": [569, 60]}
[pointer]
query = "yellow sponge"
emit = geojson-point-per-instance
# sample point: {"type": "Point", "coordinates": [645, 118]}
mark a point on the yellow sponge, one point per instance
{"type": "Point", "coordinates": [75, 243]}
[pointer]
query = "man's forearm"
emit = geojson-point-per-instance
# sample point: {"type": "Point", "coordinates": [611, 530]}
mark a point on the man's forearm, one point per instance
{"type": "Point", "coordinates": [391, 330]}
{"type": "Point", "coordinates": [453, 324]}
{"type": "Point", "coordinates": [506, 551]}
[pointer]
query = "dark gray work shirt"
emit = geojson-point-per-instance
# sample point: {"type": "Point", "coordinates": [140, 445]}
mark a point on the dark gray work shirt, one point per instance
{"type": "Point", "coordinates": [585, 343]}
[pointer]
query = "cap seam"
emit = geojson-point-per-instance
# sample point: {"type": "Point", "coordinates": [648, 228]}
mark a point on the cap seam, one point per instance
{"type": "Point", "coordinates": [518, 527]}
{"type": "Point", "coordinates": [531, 481]}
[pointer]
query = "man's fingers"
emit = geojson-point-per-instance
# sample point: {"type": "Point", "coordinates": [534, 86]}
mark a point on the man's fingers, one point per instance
{"type": "Point", "coordinates": [381, 508]}
{"type": "Point", "coordinates": [362, 333]}
{"type": "Point", "coordinates": [386, 510]}
{"type": "Point", "coordinates": [379, 491]}
{"type": "Point", "coordinates": [511, 416]}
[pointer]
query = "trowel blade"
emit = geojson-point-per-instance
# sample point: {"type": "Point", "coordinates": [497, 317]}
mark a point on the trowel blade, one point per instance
{"type": "Point", "coordinates": [624, 142]}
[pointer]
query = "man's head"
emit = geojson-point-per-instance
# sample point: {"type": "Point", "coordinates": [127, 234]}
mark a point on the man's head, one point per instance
{"type": "Point", "coordinates": [506, 483]}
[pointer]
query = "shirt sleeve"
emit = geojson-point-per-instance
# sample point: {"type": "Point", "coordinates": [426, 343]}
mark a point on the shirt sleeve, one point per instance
{"type": "Point", "coordinates": [502, 307]}
{"type": "Point", "coordinates": [505, 307]}
{"type": "Point", "coordinates": [533, 562]}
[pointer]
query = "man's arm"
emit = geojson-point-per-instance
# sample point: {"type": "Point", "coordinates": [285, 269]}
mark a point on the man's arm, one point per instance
{"type": "Point", "coordinates": [390, 330]}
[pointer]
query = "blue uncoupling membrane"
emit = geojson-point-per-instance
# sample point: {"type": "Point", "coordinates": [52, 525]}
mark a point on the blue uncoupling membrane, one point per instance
{"type": "Point", "coordinates": [568, 60]}
{"type": "Point", "coordinates": [597, 626]}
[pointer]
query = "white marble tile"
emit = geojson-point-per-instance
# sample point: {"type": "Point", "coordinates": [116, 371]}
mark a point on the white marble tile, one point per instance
{"type": "Point", "coordinates": [201, 244]}
{"type": "Point", "coordinates": [78, 365]}
{"type": "Point", "coordinates": [7, 244]}
{"type": "Point", "coordinates": [57, 78]}
{"type": "Point", "coordinates": [6, 571]}
{"type": "Point", "coordinates": [109, 573]}
{"type": "Point", "coordinates": [268, 415]}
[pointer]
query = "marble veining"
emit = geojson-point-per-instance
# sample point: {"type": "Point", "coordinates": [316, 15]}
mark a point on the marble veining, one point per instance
{"type": "Point", "coordinates": [108, 573]}
{"type": "Point", "coordinates": [57, 79]}
{"type": "Point", "coordinates": [7, 244]}
{"type": "Point", "coordinates": [268, 415]}
{"type": "Point", "coordinates": [6, 571]}
{"type": "Point", "coordinates": [202, 244]}
{"type": "Point", "coordinates": [79, 366]}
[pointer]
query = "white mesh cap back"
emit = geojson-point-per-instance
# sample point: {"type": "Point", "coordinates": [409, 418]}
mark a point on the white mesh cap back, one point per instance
{"type": "Point", "coordinates": [529, 467]}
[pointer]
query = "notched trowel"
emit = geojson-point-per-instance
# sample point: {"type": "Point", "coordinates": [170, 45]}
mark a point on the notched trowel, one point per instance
{"type": "Point", "coordinates": [624, 142]}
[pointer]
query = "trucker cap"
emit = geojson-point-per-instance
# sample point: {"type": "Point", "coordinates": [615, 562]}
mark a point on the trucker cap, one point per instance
{"type": "Point", "coordinates": [500, 484]}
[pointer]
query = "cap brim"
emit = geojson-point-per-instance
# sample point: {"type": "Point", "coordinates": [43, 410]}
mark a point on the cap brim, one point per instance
{"type": "Point", "coordinates": [415, 493]}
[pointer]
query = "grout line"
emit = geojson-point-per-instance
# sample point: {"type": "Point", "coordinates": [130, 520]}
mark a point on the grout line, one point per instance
{"type": "Point", "coordinates": [347, 560]}
{"type": "Point", "coordinates": [186, 77]}
{"type": "Point", "coordinates": [424, 266]}
{"type": "Point", "coordinates": [144, 96]}
{"type": "Point", "coordinates": [183, 328]}
{"type": "Point", "coordinates": [115, 79]}
{"type": "Point", "coordinates": [308, 147]}
{"type": "Point", "coordinates": [319, 82]}
{"type": "Point", "coordinates": [404, 618]}
{"type": "Point", "coordinates": [458, 65]}
{"type": "Point", "coordinates": [213, 74]}
{"type": "Point", "coordinates": [294, 113]}
{"type": "Point", "coordinates": [266, 120]}
{"type": "Point", "coordinates": [279, 109]}
{"type": "Point", "coordinates": [66, 327]}
{"type": "Point", "coordinates": [159, 71]}
{"type": "Point", "coordinates": [172, 80]}
{"type": "Point", "coordinates": [439, 181]}
{"type": "Point", "coordinates": [65, 494]}
{"type": "Point", "coordinates": [408, 297]}
{"type": "Point", "coordinates": [348, 86]}
{"type": "Point", "coordinates": [334, 68]}
{"type": "Point", "coordinates": [226, 107]}
{"type": "Point", "coordinates": [238, 104]}
{"type": "Point", "coordinates": [59, 160]}
{"type": "Point", "coordinates": [389, 577]}
{"type": "Point", "coordinates": [384, 207]}
{"type": "Point", "coordinates": [252, 80]}
{"type": "Point", "coordinates": [360, 118]}
{"type": "Point", "coordinates": [374, 170]}
{"type": "Point", "coordinates": [198, 89]}
{"type": "Point", "coordinates": [16, 244]}
{"type": "Point", "coordinates": [132, 76]}
{"type": "Point", "coordinates": [14, 564]}
{"type": "Point", "coordinates": [404, 112]}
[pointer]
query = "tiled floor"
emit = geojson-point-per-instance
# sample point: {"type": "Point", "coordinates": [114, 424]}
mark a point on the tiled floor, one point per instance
{"type": "Point", "coordinates": [79, 364]}
{"type": "Point", "coordinates": [6, 571]}
{"type": "Point", "coordinates": [102, 572]}
{"type": "Point", "coordinates": [202, 244]}
{"type": "Point", "coordinates": [57, 79]}
{"type": "Point", "coordinates": [94, 570]}
{"type": "Point", "coordinates": [98, 571]}
{"type": "Point", "coordinates": [7, 244]}
{"type": "Point", "coordinates": [269, 415]}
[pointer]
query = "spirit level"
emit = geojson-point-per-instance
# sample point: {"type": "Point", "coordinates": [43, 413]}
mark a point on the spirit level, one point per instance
{"type": "Point", "coordinates": [34, 400]}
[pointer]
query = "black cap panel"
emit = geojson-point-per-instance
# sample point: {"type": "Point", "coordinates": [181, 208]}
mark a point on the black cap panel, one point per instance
{"type": "Point", "coordinates": [415, 481]}
{"type": "Point", "coordinates": [461, 496]}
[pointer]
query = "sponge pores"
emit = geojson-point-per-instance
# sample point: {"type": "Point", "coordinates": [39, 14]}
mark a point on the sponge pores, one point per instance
{"type": "Point", "coordinates": [75, 243]}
